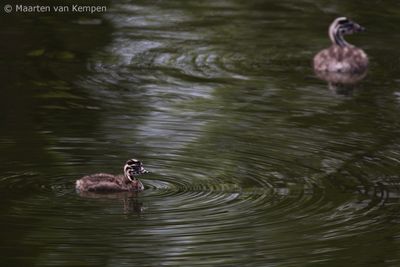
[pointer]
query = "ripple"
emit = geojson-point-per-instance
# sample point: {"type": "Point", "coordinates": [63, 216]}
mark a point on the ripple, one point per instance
{"type": "Point", "coordinates": [252, 161]}
{"type": "Point", "coordinates": [187, 211]}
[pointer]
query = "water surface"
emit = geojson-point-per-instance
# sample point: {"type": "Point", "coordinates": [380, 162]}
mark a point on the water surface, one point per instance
{"type": "Point", "coordinates": [254, 161]}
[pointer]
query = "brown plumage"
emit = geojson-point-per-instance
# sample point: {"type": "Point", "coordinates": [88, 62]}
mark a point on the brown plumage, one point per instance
{"type": "Point", "coordinates": [104, 182]}
{"type": "Point", "coordinates": [341, 57]}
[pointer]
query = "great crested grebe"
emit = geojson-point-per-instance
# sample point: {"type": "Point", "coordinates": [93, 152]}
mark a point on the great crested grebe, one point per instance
{"type": "Point", "coordinates": [104, 182]}
{"type": "Point", "coordinates": [341, 57]}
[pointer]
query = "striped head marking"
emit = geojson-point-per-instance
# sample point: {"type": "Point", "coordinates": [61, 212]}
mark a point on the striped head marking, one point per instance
{"type": "Point", "coordinates": [343, 26]}
{"type": "Point", "coordinates": [133, 168]}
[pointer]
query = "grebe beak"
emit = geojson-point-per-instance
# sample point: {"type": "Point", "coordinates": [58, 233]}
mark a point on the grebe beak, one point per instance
{"type": "Point", "coordinates": [143, 171]}
{"type": "Point", "coordinates": [139, 171]}
{"type": "Point", "coordinates": [358, 28]}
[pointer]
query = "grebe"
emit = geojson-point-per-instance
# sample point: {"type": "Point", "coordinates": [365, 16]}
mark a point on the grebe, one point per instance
{"type": "Point", "coordinates": [341, 57]}
{"type": "Point", "coordinates": [104, 182]}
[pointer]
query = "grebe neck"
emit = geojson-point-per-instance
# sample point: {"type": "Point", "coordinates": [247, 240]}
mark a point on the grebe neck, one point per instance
{"type": "Point", "coordinates": [337, 37]}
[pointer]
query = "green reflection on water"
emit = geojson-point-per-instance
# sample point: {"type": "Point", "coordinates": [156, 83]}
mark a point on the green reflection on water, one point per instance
{"type": "Point", "coordinates": [254, 161]}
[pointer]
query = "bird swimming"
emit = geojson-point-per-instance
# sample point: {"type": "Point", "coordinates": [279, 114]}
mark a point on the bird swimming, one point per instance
{"type": "Point", "coordinates": [341, 57]}
{"type": "Point", "coordinates": [105, 183]}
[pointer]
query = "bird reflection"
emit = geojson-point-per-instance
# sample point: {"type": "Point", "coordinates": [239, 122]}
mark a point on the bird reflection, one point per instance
{"type": "Point", "coordinates": [341, 83]}
{"type": "Point", "coordinates": [129, 200]}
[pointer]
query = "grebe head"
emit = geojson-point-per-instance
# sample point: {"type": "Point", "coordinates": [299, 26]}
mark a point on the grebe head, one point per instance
{"type": "Point", "coordinates": [342, 26]}
{"type": "Point", "coordinates": [132, 168]}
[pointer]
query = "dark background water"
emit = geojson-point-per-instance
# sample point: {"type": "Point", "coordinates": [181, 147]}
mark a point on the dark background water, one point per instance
{"type": "Point", "coordinates": [253, 160]}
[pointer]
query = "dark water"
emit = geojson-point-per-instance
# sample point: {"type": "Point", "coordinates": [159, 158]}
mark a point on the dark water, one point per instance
{"type": "Point", "coordinates": [253, 160]}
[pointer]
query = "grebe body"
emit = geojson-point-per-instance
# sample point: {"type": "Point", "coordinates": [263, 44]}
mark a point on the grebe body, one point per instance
{"type": "Point", "coordinates": [341, 57]}
{"type": "Point", "coordinates": [104, 182]}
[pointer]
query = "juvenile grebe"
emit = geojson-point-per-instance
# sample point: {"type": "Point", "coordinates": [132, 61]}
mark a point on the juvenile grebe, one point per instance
{"type": "Point", "coordinates": [341, 57]}
{"type": "Point", "coordinates": [104, 182]}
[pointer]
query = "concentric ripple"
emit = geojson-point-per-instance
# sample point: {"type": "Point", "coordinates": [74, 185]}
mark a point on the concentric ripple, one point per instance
{"type": "Point", "coordinates": [253, 161]}
{"type": "Point", "coordinates": [187, 213]}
